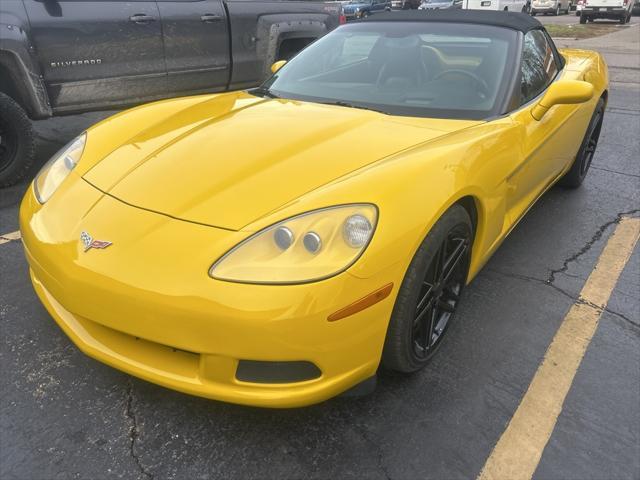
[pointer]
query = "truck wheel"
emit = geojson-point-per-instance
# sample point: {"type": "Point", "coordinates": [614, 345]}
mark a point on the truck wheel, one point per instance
{"type": "Point", "coordinates": [583, 19]}
{"type": "Point", "coordinates": [623, 19]}
{"type": "Point", "coordinates": [17, 141]}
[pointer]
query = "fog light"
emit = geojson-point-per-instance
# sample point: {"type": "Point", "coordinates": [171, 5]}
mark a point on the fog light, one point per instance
{"type": "Point", "coordinates": [357, 231]}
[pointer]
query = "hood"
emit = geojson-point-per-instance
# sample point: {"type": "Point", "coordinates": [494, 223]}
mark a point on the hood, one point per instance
{"type": "Point", "coordinates": [233, 158]}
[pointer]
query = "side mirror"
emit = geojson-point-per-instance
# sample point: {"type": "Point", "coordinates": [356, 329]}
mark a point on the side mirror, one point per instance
{"type": "Point", "coordinates": [563, 92]}
{"type": "Point", "coordinates": [277, 65]}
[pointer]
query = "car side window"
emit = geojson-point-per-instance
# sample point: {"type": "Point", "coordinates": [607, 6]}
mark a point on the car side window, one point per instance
{"type": "Point", "coordinates": [538, 67]}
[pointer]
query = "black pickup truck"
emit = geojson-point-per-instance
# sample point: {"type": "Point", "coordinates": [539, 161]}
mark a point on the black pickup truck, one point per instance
{"type": "Point", "coordinates": [67, 56]}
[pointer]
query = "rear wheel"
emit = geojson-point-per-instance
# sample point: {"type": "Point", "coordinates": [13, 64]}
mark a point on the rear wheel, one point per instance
{"type": "Point", "coordinates": [429, 293]}
{"type": "Point", "coordinates": [17, 141]}
{"type": "Point", "coordinates": [623, 19]}
{"type": "Point", "coordinates": [583, 19]}
{"type": "Point", "coordinates": [576, 175]}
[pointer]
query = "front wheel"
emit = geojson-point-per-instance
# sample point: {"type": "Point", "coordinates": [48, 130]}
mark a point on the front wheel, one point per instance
{"type": "Point", "coordinates": [429, 294]}
{"type": "Point", "coordinates": [17, 141]}
{"type": "Point", "coordinates": [583, 19]}
{"type": "Point", "coordinates": [578, 171]}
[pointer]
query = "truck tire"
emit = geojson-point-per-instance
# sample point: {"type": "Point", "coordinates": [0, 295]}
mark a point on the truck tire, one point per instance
{"type": "Point", "coordinates": [583, 19]}
{"type": "Point", "coordinates": [17, 141]}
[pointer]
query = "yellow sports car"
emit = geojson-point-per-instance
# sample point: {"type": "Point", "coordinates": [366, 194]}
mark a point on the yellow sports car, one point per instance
{"type": "Point", "coordinates": [274, 247]}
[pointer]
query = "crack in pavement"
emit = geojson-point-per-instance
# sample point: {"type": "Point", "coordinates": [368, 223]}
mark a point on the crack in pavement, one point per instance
{"type": "Point", "coordinates": [133, 430]}
{"type": "Point", "coordinates": [577, 299]}
{"type": "Point", "coordinates": [596, 236]}
{"type": "Point", "coordinates": [615, 171]}
{"type": "Point", "coordinates": [379, 453]}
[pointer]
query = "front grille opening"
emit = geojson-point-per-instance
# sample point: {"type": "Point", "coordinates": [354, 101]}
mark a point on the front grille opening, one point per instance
{"type": "Point", "coordinates": [276, 372]}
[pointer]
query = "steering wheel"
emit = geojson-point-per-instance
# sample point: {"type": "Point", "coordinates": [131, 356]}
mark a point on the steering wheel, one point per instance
{"type": "Point", "coordinates": [473, 76]}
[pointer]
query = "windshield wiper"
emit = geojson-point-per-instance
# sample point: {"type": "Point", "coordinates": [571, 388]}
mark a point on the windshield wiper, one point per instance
{"type": "Point", "coordinates": [265, 92]}
{"type": "Point", "coordinates": [341, 103]}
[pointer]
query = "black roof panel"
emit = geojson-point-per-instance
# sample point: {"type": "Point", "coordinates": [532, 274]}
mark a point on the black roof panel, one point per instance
{"type": "Point", "coordinates": [515, 21]}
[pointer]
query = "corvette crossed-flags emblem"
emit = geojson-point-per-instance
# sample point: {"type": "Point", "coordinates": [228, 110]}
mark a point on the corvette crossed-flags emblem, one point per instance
{"type": "Point", "coordinates": [89, 242]}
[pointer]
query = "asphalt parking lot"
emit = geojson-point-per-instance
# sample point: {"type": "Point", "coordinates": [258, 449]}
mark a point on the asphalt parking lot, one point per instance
{"type": "Point", "coordinates": [63, 415]}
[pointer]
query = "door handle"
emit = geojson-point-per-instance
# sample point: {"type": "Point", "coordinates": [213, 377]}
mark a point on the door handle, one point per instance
{"type": "Point", "coordinates": [141, 19]}
{"type": "Point", "coordinates": [210, 18]}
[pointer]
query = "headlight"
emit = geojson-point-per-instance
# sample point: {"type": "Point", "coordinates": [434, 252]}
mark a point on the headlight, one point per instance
{"type": "Point", "coordinates": [58, 168]}
{"type": "Point", "coordinates": [304, 248]}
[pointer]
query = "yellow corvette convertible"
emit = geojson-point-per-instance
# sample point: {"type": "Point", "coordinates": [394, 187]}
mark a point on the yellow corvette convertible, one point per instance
{"type": "Point", "coordinates": [274, 247]}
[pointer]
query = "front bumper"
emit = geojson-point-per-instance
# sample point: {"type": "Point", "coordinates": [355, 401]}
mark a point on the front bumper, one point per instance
{"type": "Point", "coordinates": [146, 305]}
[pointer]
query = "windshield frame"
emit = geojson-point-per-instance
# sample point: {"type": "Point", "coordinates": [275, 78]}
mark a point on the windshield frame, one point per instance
{"type": "Point", "coordinates": [501, 100]}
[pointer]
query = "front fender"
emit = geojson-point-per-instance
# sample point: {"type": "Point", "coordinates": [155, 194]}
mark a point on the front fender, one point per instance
{"type": "Point", "coordinates": [414, 188]}
{"type": "Point", "coordinates": [17, 58]}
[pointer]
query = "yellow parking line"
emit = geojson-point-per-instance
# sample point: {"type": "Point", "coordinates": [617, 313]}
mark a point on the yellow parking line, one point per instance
{"type": "Point", "coordinates": [517, 453]}
{"type": "Point", "coordinates": [9, 237]}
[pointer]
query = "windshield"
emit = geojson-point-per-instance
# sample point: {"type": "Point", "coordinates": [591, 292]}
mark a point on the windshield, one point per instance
{"type": "Point", "coordinates": [422, 69]}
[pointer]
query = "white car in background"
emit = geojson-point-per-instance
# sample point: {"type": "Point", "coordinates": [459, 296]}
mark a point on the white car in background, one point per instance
{"type": "Point", "coordinates": [554, 7]}
{"type": "Point", "coordinates": [500, 5]}
{"type": "Point", "coordinates": [610, 9]}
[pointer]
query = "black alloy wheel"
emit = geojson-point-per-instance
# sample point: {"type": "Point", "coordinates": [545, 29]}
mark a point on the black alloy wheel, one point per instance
{"type": "Point", "coordinates": [592, 143]}
{"type": "Point", "coordinates": [440, 293]}
{"type": "Point", "coordinates": [430, 292]}
{"type": "Point", "coordinates": [576, 175]}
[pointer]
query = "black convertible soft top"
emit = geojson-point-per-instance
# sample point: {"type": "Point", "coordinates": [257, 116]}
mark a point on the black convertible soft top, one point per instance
{"type": "Point", "coordinates": [515, 21]}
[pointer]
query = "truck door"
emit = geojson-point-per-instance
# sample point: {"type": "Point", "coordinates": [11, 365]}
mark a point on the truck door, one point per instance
{"type": "Point", "coordinates": [196, 43]}
{"type": "Point", "coordinates": [98, 53]}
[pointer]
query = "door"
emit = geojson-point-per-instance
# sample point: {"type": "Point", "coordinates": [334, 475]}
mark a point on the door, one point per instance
{"type": "Point", "coordinates": [196, 42]}
{"type": "Point", "coordinates": [546, 146]}
{"type": "Point", "coordinates": [98, 53]}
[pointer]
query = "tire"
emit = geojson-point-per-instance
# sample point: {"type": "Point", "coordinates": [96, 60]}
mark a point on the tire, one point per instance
{"type": "Point", "coordinates": [17, 141]}
{"type": "Point", "coordinates": [578, 171]}
{"type": "Point", "coordinates": [623, 20]}
{"type": "Point", "coordinates": [583, 19]}
{"type": "Point", "coordinates": [413, 320]}
{"type": "Point", "coordinates": [533, 14]}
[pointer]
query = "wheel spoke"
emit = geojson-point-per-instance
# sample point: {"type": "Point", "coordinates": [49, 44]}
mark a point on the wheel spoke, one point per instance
{"type": "Point", "coordinates": [454, 260]}
{"type": "Point", "coordinates": [431, 325]}
{"type": "Point", "coordinates": [425, 297]}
